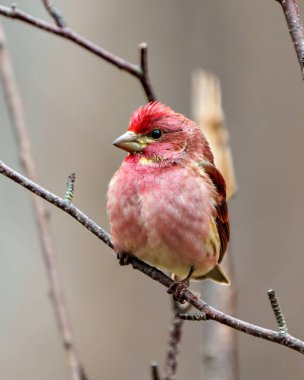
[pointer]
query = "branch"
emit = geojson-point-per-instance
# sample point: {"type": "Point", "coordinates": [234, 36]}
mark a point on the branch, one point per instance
{"type": "Point", "coordinates": [145, 81]}
{"type": "Point", "coordinates": [56, 15]}
{"type": "Point", "coordinates": [295, 28]}
{"type": "Point", "coordinates": [137, 71]}
{"type": "Point", "coordinates": [15, 107]}
{"type": "Point", "coordinates": [274, 301]}
{"type": "Point", "coordinates": [69, 193]}
{"type": "Point", "coordinates": [174, 340]}
{"type": "Point", "coordinates": [210, 312]}
{"type": "Point", "coordinates": [155, 371]}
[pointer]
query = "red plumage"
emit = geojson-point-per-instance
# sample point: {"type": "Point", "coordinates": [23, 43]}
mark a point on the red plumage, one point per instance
{"type": "Point", "coordinates": [144, 117]}
{"type": "Point", "coordinates": [167, 202]}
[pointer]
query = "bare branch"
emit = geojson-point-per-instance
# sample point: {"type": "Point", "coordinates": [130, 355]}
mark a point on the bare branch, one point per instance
{"type": "Point", "coordinates": [193, 317]}
{"type": "Point", "coordinates": [274, 301]}
{"type": "Point", "coordinates": [295, 28]}
{"type": "Point", "coordinates": [54, 13]}
{"type": "Point", "coordinates": [69, 193]}
{"type": "Point", "coordinates": [15, 107]}
{"type": "Point", "coordinates": [67, 33]}
{"type": "Point", "coordinates": [174, 340]}
{"type": "Point", "coordinates": [145, 81]}
{"type": "Point", "coordinates": [155, 371]}
{"type": "Point", "coordinates": [210, 312]}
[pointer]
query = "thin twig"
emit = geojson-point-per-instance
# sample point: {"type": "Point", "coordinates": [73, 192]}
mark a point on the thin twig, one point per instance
{"type": "Point", "coordinates": [69, 193]}
{"type": "Point", "coordinates": [145, 80]}
{"type": "Point", "coordinates": [69, 34]}
{"type": "Point", "coordinates": [155, 371]}
{"type": "Point", "coordinates": [174, 340]}
{"type": "Point", "coordinates": [193, 317]}
{"type": "Point", "coordinates": [295, 27]}
{"type": "Point", "coordinates": [211, 313]}
{"type": "Point", "coordinates": [274, 301]}
{"type": "Point", "coordinates": [54, 13]}
{"type": "Point", "coordinates": [15, 107]}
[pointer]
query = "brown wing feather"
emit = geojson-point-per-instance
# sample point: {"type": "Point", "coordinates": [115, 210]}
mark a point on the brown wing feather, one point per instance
{"type": "Point", "coordinates": [221, 218]}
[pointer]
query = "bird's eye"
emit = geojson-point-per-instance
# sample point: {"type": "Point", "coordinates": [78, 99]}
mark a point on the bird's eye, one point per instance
{"type": "Point", "coordinates": [156, 134]}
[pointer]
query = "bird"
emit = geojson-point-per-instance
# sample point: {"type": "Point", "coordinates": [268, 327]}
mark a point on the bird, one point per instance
{"type": "Point", "coordinates": [167, 201]}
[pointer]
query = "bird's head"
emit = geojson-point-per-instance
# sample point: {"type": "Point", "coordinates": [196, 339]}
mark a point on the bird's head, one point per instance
{"type": "Point", "coordinates": [158, 134]}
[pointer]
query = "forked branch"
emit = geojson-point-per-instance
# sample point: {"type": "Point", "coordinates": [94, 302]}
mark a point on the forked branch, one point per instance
{"type": "Point", "coordinates": [139, 71]}
{"type": "Point", "coordinates": [54, 13]}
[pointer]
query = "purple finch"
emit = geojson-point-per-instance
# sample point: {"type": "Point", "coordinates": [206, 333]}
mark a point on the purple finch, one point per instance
{"type": "Point", "coordinates": [167, 201]}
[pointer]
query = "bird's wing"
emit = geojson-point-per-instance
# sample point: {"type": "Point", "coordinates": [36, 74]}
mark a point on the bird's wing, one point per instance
{"type": "Point", "coordinates": [221, 217]}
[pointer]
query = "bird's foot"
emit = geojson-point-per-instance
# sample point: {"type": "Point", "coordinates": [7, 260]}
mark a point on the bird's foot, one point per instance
{"type": "Point", "coordinates": [178, 288]}
{"type": "Point", "coordinates": [124, 258]}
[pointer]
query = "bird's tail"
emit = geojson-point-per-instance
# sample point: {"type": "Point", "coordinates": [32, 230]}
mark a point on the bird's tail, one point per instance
{"type": "Point", "coordinates": [216, 274]}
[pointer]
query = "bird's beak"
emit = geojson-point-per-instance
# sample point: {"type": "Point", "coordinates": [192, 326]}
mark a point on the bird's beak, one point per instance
{"type": "Point", "coordinates": [129, 141]}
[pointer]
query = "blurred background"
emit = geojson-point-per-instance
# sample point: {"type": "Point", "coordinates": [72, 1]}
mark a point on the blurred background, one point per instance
{"type": "Point", "coordinates": [76, 104]}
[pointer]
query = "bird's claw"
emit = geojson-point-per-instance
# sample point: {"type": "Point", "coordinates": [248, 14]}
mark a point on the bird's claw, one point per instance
{"type": "Point", "coordinates": [124, 259]}
{"type": "Point", "coordinates": [178, 289]}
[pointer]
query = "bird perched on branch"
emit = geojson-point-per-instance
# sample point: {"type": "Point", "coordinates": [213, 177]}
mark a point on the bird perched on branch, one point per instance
{"type": "Point", "coordinates": [167, 202]}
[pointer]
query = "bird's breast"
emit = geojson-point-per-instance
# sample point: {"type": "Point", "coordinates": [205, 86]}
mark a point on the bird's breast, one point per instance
{"type": "Point", "coordinates": [164, 216]}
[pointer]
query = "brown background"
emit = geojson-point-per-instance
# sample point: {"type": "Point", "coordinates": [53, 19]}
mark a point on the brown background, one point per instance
{"type": "Point", "coordinates": [76, 105]}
